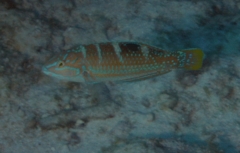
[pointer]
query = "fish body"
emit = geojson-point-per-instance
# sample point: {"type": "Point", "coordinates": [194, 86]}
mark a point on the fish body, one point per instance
{"type": "Point", "coordinates": [119, 61]}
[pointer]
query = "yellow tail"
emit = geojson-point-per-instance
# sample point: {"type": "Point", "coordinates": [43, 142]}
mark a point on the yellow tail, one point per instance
{"type": "Point", "coordinates": [194, 59]}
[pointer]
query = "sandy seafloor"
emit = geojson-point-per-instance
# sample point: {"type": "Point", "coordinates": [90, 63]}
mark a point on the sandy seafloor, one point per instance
{"type": "Point", "coordinates": [182, 111]}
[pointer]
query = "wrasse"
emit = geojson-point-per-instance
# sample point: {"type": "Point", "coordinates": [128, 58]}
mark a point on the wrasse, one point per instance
{"type": "Point", "coordinates": [122, 61]}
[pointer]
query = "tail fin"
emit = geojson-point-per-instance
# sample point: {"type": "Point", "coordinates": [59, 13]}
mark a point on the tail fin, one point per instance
{"type": "Point", "coordinates": [194, 59]}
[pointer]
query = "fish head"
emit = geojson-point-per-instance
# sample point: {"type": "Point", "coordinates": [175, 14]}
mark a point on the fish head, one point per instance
{"type": "Point", "coordinates": [65, 66]}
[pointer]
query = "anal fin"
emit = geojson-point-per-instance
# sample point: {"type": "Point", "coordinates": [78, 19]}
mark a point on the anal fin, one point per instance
{"type": "Point", "coordinates": [145, 76]}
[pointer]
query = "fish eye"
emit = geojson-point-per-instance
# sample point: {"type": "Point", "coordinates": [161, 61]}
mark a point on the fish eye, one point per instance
{"type": "Point", "coordinates": [60, 64]}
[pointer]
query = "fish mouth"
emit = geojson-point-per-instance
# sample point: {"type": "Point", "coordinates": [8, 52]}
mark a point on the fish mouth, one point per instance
{"type": "Point", "coordinates": [45, 70]}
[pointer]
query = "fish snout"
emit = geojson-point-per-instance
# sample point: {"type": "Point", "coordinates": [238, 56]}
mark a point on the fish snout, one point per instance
{"type": "Point", "coordinates": [45, 70]}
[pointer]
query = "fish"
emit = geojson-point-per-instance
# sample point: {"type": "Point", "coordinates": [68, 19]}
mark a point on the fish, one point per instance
{"type": "Point", "coordinates": [119, 61]}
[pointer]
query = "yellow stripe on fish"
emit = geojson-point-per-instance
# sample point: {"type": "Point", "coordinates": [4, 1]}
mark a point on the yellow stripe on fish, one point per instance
{"type": "Point", "coordinates": [121, 61]}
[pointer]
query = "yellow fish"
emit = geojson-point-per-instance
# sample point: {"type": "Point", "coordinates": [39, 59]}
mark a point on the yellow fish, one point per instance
{"type": "Point", "coordinates": [119, 61]}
